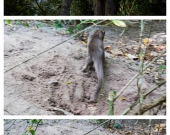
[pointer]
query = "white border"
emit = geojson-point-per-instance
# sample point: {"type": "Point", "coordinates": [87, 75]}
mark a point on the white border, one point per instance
{"type": "Point", "coordinates": [2, 116]}
{"type": "Point", "coordinates": [83, 17]}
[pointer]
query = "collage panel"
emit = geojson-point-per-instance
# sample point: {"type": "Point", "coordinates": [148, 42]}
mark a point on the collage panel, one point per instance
{"type": "Point", "coordinates": [84, 63]}
{"type": "Point", "coordinates": [85, 126]}
{"type": "Point", "coordinates": [85, 8]}
{"type": "Point", "coordinates": [84, 67]}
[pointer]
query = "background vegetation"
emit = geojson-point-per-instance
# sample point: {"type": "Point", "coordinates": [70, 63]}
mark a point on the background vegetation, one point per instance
{"type": "Point", "coordinates": [84, 7]}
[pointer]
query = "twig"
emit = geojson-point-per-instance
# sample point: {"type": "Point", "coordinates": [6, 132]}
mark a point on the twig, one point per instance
{"type": "Point", "coordinates": [152, 105]}
{"type": "Point", "coordinates": [40, 8]}
{"type": "Point", "coordinates": [133, 126]}
{"type": "Point", "coordinates": [144, 96]}
{"type": "Point", "coordinates": [8, 122]}
{"type": "Point", "coordinates": [96, 127]}
{"type": "Point", "coordinates": [38, 124]}
{"type": "Point", "coordinates": [10, 125]}
{"type": "Point", "coordinates": [158, 85]}
{"type": "Point", "coordinates": [149, 126]}
{"type": "Point", "coordinates": [59, 109]}
{"type": "Point", "coordinates": [155, 59]}
{"type": "Point", "coordinates": [120, 92]}
{"type": "Point", "coordinates": [26, 125]}
{"type": "Point", "coordinates": [141, 35]}
{"type": "Point", "coordinates": [139, 81]}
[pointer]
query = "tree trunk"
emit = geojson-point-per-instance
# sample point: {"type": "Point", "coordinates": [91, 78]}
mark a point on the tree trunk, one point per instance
{"type": "Point", "coordinates": [99, 7]}
{"type": "Point", "coordinates": [116, 6]}
{"type": "Point", "coordinates": [65, 7]}
{"type": "Point", "coordinates": [109, 7]}
{"type": "Point", "coordinates": [104, 7]}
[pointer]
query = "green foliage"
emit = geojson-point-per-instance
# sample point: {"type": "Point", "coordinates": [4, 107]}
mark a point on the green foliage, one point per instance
{"type": "Point", "coordinates": [33, 121]}
{"type": "Point", "coordinates": [32, 132]}
{"type": "Point", "coordinates": [118, 23]}
{"type": "Point", "coordinates": [162, 67]}
{"type": "Point", "coordinates": [8, 22]}
{"type": "Point", "coordinates": [17, 22]}
{"type": "Point", "coordinates": [83, 7]}
{"type": "Point", "coordinates": [32, 7]}
{"type": "Point", "coordinates": [80, 26]}
{"type": "Point", "coordinates": [84, 23]}
{"type": "Point", "coordinates": [58, 24]}
{"type": "Point", "coordinates": [31, 128]}
{"type": "Point", "coordinates": [39, 25]}
{"type": "Point", "coordinates": [19, 7]}
{"type": "Point", "coordinates": [26, 24]}
{"type": "Point", "coordinates": [142, 7]}
{"type": "Point", "coordinates": [106, 124]}
{"type": "Point", "coordinates": [117, 126]}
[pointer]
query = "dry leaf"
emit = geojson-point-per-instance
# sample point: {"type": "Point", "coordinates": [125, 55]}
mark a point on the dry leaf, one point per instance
{"type": "Point", "coordinates": [122, 98]}
{"type": "Point", "coordinates": [119, 23]}
{"type": "Point", "coordinates": [145, 41]}
{"type": "Point", "coordinates": [84, 43]}
{"type": "Point", "coordinates": [130, 56]}
{"type": "Point", "coordinates": [108, 49]}
{"type": "Point", "coordinates": [117, 52]}
{"type": "Point", "coordinates": [68, 82]}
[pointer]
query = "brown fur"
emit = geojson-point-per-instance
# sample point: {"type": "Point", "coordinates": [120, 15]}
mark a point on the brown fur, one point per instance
{"type": "Point", "coordinates": [96, 58]}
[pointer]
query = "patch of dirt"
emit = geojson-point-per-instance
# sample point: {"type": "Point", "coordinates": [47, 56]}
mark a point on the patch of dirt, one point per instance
{"type": "Point", "coordinates": [80, 127]}
{"type": "Point", "coordinates": [53, 80]}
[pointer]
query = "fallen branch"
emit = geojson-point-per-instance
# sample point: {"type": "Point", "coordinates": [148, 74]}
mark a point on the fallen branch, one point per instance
{"type": "Point", "coordinates": [97, 127]}
{"type": "Point", "coordinates": [144, 96]}
{"type": "Point", "coordinates": [152, 105]}
{"type": "Point", "coordinates": [120, 92]}
{"type": "Point", "coordinates": [58, 109]}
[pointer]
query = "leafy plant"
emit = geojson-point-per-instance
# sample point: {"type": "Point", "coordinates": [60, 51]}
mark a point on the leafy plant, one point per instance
{"type": "Point", "coordinates": [8, 22]}
{"type": "Point", "coordinates": [58, 24]}
{"type": "Point", "coordinates": [39, 25]}
{"type": "Point", "coordinates": [103, 122]}
{"type": "Point", "coordinates": [162, 67]}
{"type": "Point", "coordinates": [17, 22]}
{"type": "Point", "coordinates": [32, 129]}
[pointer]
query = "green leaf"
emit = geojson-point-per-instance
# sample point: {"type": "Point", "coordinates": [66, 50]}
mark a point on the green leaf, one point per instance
{"type": "Point", "coordinates": [119, 23]}
{"type": "Point", "coordinates": [68, 32]}
{"type": "Point", "coordinates": [162, 67]}
{"type": "Point", "coordinates": [58, 24]}
{"type": "Point", "coordinates": [32, 132]}
{"type": "Point", "coordinates": [117, 126]}
{"type": "Point", "coordinates": [26, 24]}
{"type": "Point", "coordinates": [39, 25]}
{"type": "Point", "coordinates": [8, 22]}
{"type": "Point", "coordinates": [33, 121]}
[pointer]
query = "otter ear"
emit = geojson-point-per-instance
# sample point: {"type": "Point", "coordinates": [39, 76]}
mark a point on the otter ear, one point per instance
{"type": "Point", "coordinates": [101, 34]}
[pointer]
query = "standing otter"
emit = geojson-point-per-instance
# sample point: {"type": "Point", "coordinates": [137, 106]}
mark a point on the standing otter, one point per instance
{"type": "Point", "coordinates": [96, 58]}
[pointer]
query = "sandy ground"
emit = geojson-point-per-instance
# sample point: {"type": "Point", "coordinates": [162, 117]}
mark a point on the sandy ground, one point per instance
{"type": "Point", "coordinates": [53, 80]}
{"type": "Point", "coordinates": [80, 127]}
